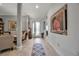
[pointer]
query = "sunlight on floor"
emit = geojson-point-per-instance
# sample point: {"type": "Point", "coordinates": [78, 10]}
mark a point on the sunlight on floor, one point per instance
{"type": "Point", "coordinates": [37, 40]}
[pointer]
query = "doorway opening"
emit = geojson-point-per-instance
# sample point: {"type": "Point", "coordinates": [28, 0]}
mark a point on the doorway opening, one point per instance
{"type": "Point", "coordinates": [36, 29]}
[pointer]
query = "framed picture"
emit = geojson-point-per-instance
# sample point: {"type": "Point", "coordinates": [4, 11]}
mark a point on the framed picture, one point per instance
{"type": "Point", "coordinates": [59, 21]}
{"type": "Point", "coordinates": [12, 25]}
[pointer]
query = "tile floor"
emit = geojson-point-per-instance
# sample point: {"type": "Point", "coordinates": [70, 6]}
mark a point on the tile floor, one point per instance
{"type": "Point", "coordinates": [26, 50]}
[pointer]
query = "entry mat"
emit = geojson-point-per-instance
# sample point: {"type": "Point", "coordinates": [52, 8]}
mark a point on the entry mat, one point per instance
{"type": "Point", "coordinates": [38, 50]}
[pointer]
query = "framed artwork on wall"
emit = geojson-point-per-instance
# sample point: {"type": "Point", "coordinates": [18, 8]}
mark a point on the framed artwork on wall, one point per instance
{"type": "Point", "coordinates": [59, 21]}
{"type": "Point", "coordinates": [12, 25]}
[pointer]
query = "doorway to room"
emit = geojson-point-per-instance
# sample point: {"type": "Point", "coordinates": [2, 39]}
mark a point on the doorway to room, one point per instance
{"type": "Point", "coordinates": [36, 29]}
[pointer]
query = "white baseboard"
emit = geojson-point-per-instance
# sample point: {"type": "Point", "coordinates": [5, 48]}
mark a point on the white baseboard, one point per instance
{"type": "Point", "coordinates": [59, 53]}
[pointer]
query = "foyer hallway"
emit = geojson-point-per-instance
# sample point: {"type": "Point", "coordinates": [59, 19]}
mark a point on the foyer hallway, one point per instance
{"type": "Point", "coordinates": [26, 50]}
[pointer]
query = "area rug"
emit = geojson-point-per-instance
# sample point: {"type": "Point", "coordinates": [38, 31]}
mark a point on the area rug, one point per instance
{"type": "Point", "coordinates": [38, 50]}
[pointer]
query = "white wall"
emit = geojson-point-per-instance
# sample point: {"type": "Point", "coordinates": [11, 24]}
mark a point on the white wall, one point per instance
{"type": "Point", "coordinates": [24, 23]}
{"type": "Point", "coordinates": [66, 44]}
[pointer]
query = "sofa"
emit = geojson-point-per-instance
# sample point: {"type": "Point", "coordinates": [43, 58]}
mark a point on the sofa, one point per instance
{"type": "Point", "coordinates": [6, 41]}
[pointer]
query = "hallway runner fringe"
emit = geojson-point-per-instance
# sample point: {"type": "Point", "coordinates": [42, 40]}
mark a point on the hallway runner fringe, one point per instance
{"type": "Point", "coordinates": [38, 50]}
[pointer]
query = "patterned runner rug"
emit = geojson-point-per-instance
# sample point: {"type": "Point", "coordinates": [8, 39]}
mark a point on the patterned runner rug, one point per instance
{"type": "Point", "coordinates": [38, 50]}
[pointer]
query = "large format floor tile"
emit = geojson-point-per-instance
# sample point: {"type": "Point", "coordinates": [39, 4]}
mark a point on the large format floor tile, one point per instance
{"type": "Point", "coordinates": [26, 50]}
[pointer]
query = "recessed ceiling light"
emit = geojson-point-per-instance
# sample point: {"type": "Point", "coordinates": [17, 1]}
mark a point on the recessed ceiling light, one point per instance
{"type": "Point", "coordinates": [36, 6]}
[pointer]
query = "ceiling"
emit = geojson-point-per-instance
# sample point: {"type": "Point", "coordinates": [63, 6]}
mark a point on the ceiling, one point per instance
{"type": "Point", "coordinates": [8, 9]}
{"type": "Point", "coordinates": [27, 9]}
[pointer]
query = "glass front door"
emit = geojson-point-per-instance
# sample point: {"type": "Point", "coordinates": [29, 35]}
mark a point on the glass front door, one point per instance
{"type": "Point", "coordinates": [36, 29]}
